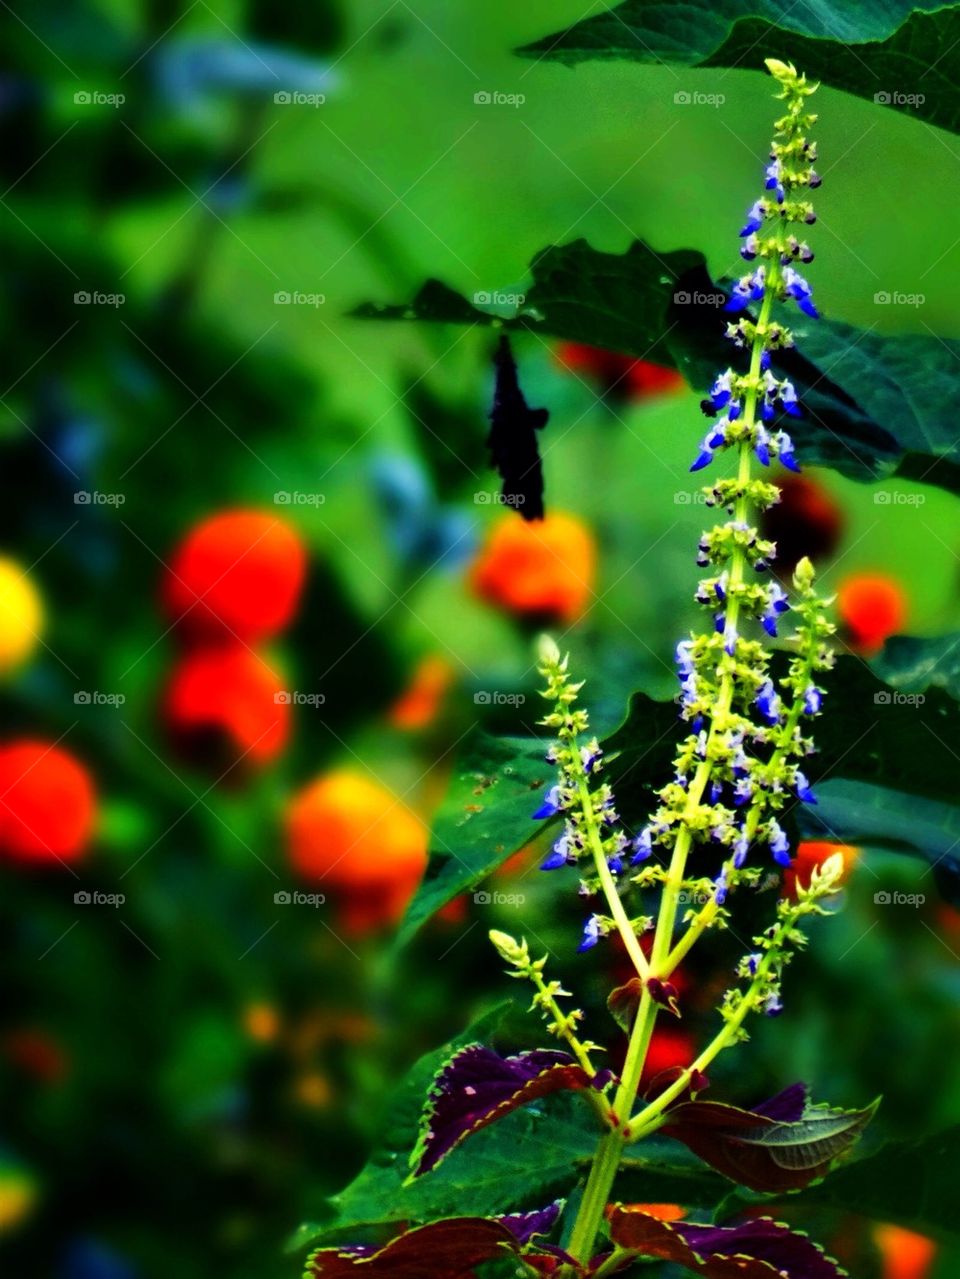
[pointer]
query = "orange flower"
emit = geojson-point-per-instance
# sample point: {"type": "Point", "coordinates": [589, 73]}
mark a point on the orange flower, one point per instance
{"type": "Point", "coordinates": [542, 569]}
{"type": "Point", "coordinates": [238, 573]}
{"type": "Point", "coordinates": [814, 852]}
{"type": "Point", "coordinates": [906, 1255]}
{"type": "Point", "coordinates": [872, 607]}
{"type": "Point", "coordinates": [417, 707]}
{"type": "Point", "coordinates": [618, 376]}
{"type": "Point", "coordinates": [222, 708]}
{"type": "Point", "coordinates": [48, 804]}
{"type": "Point", "coordinates": [352, 838]}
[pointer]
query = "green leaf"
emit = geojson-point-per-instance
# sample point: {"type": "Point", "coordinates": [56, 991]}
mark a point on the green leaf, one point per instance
{"type": "Point", "coordinates": [875, 406]}
{"type": "Point", "coordinates": [485, 1177]}
{"type": "Point", "coordinates": [485, 816]}
{"type": "Point", "coordinates": [914, 665]}
{"type": "Point", "coordinates": [895, 48]}
{"type": "Point", "coordinates": [909, 1183]}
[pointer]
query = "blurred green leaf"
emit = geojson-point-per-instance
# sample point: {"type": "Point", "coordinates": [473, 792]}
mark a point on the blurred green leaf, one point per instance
{"type": "Point", "coordinates": [892, 54]}
{"type": "Point", "coordinates": [913, 665]}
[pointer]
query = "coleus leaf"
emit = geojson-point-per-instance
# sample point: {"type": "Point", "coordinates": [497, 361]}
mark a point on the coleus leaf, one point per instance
{"type": "Point", "coordinates": [890, 53]}
{"type": "Point", "coordinates": [477, 1086]}
{"type": "Point", "coordinates": [874, 405]}
{"type": "Point", "coordinates": [758, 1249]}
{"type": "Point", "coordinates": [450, 1249]}
{"type": "Point", "coordinates": [783, 1144]}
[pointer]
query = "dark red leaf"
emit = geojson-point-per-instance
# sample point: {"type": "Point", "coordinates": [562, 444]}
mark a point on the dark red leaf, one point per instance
{"type": "Point", "coordinates": [783, 1144]}
{"type": "Point", "coordinates": [477, 1086]}
{"type": "Point", "coordinates": [758, 1249]}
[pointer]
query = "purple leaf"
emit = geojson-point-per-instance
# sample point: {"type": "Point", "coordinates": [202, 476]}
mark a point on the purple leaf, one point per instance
{"type": "Point", "coordinates": [758, 1249]}
{"type": "Point", "coordinates": [783, 1144]}
{"type": "Point", "coordinates": [477, 1086]}
{"type": "Point", "coordinates": [525, 1225]}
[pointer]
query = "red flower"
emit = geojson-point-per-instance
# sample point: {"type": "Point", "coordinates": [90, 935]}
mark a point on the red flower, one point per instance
{"type": "Point", "coordinates": [872, 607]}
{"type": "Point", "coordinates": [544, 569]}
{"type": "Point", "coordinates": [48, 803]}
{"type": "Point", "coordinates": [619, 376]}
{"type": "Point", "coordinates": [237, 573]}
{"type": "Point", "coordinates": [224, 706]}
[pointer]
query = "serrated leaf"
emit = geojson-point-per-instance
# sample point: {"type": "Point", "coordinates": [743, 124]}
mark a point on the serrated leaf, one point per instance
{"type": "Point", "coordinates": [477, 1086]}
{"type": "Point", "coordinates": [450, 1249]}
{"type": "Point", "coordinates": [760, 1148]}
{"type": "Point", "coordinates": [894, 49]}
{"type": "Point", "coordinates": [758, 1249]}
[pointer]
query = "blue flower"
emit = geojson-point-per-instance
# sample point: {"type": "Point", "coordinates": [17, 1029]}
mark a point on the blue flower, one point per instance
{"type": "Point", "coordinates": [812, 700]}
{"type": "Point", "coordinates": [730, 641]}
{"type": "Point", "coordinates": [768, 702]}
{"type": "Point", "coordinates": [721, 887]}
{"type": "Point", "coordinates": [773, 1007]}
{"type": "Point", "coordinates": [774, 181]}
{"type": "Point", "coordinates": [616, 864]}
{"type": "Point", "coordinates": [591, 933]}
{"type": "Point", "coordinates": [740, 850]}
{"type": "Point", "coordinates": [761, 446]}
{"type": "Point", "coordinates": [721, 392]}
{"type": "Point", "coordinates": [777, 603]}
{"type": "Point", "coordinates": [750, 248]}
{"type": "Point", "coordinates": [562, 854]}
{"type": "Point", "coordinates": [590, 757]}
{"type": "Point", "coordinates": [779, 845]}
{"type": "Point", "coordinates": [742, 791]}
{"type": "Point", "coordinates": [802, 787]}
{"type": "Point", "coordinates": [746, 290]}
{"type": "Point", "coordinates": [554, 861]}
{"type": "Point", "coordinates": [551, 804]}
{"type": "Point", "coordinates": [642, 846]}
{"type": "Point", "coordinates": [785, 451]}
{"type": "Point", "coordinates": [716, 791]}
{"type": "Point", "coordinates": [755, 215]}
{"type": "Point", "coordinates": [796, 287]}
{"type": "Point", "coordinates": [752, 963]}
{"type": "Point", "coordinates": [683, 657]}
